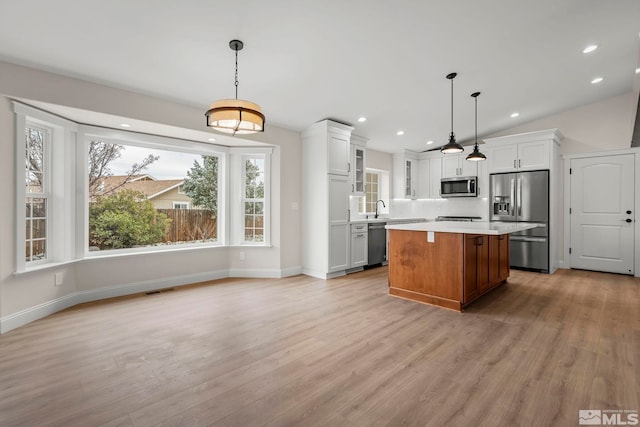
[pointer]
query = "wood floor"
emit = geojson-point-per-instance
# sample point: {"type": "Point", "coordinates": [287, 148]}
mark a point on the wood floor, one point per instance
{"type": "Point", "coordinates": [302, 352]}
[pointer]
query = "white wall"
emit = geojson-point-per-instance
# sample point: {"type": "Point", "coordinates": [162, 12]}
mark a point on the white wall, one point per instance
{"type": "Point", "coordinates": [603, 125]}
{"type": "Point", "coordinates": [33, 294]}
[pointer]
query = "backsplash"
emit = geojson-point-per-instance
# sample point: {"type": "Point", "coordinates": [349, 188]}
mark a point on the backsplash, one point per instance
{"type": "Point", "coordinates": [431, 208]}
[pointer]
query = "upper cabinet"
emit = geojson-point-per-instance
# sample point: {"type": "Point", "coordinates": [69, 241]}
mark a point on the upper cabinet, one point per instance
{"type": "Point", "coordinates": [429, 174]}
{"type": "Point", "coordinates": [405, 175]}
{"type": "Point", "coordinates": [338, 152]}
{"type": "Point", "coordinates": [522, 152]}
{"type": "Point", "coordinates": [456, 165]}
{"type": "Point", "coordinates": [358, 162]}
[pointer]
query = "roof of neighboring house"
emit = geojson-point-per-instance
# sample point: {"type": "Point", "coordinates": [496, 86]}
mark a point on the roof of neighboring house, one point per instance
{"type": "Point", "coordinates": [145, 184]}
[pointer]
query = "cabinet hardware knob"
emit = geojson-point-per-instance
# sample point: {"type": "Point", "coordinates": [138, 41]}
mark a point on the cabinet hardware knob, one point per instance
{"type": "Point", "coordinates": [628, 212]}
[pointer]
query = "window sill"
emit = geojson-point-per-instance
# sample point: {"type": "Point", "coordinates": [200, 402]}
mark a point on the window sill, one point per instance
{"type": "Point", "coordinates": [44, 267]}
{"type": "Point", "coordinates": [99, 255]}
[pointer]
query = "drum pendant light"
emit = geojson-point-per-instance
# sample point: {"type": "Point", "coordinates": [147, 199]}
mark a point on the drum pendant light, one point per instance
{"type": "Point", "coordinates": [476, 155]}
{"type": "Point", "coordinates": [235, 116]}
{"type": "Point", "coordinates": [452, 146]}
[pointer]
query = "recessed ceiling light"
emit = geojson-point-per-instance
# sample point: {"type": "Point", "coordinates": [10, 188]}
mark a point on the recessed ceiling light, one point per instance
{"type": "Point", "coordinates": [400, 132]}
{"type": "Point", "coordinates": [513, 115]}
{"type": "Point", "coordinates": [597, 80]}
{"type": "Point", "coordinates": [212, 139]}
{"type": "Point", "coordinates": [637, 70]}
{"type": "Point", "coordinates": [362, 119]}
{"type": "Point", "coordinates": [124, 125]}
{"type": "Point", "coordinates": [429, 142]}
{"type": "Point", "coordinates": [590, 48]}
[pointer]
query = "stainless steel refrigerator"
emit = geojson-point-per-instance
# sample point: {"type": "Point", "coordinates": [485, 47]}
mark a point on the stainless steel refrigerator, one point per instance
{"type": "Point", "coordinates": [523, 197]}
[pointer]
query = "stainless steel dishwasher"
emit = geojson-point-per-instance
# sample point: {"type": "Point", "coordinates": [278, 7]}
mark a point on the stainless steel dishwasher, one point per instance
{"type": "Point", "coordinates": [377, 248]}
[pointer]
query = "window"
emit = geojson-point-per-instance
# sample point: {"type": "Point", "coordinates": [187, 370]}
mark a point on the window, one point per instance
{"type": "Point", "coordinates": [36, 192]}
{"type": "Point", "coordinates": [377, 188]}
{"type": "Point", "coordinates": [254, 199]}
{"type": "Point", "coordinates": [138, 192]}
{"type": "Point", "coordinates": [132, 192]}
{"type": "Point", "coordinates": [368, 202]}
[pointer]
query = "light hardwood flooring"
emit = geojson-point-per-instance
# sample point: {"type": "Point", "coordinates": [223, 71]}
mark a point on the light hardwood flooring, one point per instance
{"type": "Point", "coordinates": [301, 351]}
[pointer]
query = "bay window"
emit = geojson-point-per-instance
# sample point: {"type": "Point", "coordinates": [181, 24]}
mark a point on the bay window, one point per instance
{"type": "Point", "coordinates": [85, 191]}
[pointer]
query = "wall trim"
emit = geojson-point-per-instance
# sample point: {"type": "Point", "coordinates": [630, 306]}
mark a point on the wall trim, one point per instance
{"type": "Point", "coordinates": [291, 271]}
{"type": "Point", "coordinates": [48, 308]}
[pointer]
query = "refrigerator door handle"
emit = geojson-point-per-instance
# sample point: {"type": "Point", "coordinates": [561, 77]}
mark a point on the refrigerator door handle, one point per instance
{"type": "Point", "coordinates": [528, 239]}
{"type": "Point", "coordinates": [512, 209]}
{"type": "Point", "coordinates": [519, 201]}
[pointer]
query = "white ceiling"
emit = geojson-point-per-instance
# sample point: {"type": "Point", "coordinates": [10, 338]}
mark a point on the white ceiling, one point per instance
{"type": "Point", "coordinates": [305, 60]}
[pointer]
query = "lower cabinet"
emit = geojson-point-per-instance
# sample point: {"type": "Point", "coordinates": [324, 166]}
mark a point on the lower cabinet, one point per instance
{"type": "Point", "coordinates": [498, 259]}
{"type": "Point", "coordinates": [358, 249]}
{"type": "Point", "coordinates": [338, 247]}
{"type": "Point", "coordinates": [476, 266]}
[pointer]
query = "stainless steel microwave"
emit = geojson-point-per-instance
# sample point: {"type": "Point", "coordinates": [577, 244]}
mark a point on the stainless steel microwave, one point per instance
{"type": "Point", "coordinates": [460, 186]}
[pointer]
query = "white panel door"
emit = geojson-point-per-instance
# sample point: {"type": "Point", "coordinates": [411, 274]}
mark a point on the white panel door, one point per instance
{"type": "Point", "coordinates": [602, 217]}
{"type": "Point", "coordinates": [339, 232]}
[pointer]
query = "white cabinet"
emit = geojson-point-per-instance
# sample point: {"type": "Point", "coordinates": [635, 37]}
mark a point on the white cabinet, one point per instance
{"type": "Point", "coordinates": [326, 185]}
{"type": "Point", "coordinates": [338, 223]}
{"type": "Point", "coordinates": [338, 150]}
{"type": "Point", "coordinates": [519, 156]}
{"type": "Point", "coordinates": [358, 164]}
{"type": "Point", "coordinates": [429, 173]}
{"type": "Point", "coordinates": [424, 179]}
{"type": "Point", "coordinates": [405, 175]}
{"type": "Point", "coordinates": [359, 245]}
{"type": "Point", "coordinates": [435, 173]}
{"type": "Point", "coordinates": [456, 165]}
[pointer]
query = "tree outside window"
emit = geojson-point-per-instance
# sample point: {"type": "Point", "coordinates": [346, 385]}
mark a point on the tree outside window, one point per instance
{"type": "Point", "coordinates": [36, 191]}
{"type": "Point", "coordinates": [254, 182]}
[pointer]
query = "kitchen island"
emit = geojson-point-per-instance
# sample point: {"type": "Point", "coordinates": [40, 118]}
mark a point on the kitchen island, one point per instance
{"type": "Point", "coordinates": [448, 264]}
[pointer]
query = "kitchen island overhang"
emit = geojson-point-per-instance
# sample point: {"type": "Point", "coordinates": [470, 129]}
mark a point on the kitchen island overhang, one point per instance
{"type": "Point", "coordinates": [449, 264]}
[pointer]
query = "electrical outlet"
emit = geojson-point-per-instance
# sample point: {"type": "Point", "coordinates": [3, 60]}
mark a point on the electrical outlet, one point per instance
{"type": "Point", "coordinates": [243, 256]}
{"type": "Point", "coordinates": [59, 278]}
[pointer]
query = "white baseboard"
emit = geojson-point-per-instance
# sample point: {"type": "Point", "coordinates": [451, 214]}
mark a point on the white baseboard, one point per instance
{"type": "Point", "coordinates": [36, 312]}
{"type": "Point", "coordinates": [291, 271]}
{"type": "Point", "coordinates": [45, 309]}
{"type": "Point", "coordinates": [256, 273]}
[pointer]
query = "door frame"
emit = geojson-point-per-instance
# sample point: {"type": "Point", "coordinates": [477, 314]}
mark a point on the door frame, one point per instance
{"type": "Point", "coordinates": [566, 261]}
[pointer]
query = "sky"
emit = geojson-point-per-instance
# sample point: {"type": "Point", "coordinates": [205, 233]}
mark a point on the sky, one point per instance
{"type": "Point", "coordinates": [170, 165]}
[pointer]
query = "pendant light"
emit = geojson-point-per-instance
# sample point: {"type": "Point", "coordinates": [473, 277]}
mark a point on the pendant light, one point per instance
{"type": "Point", "coordinates": [235, 116]}
{"type": "Point", "coordinates": [452, 146]}
{"type": "Point", "coordinates": [476, 155]}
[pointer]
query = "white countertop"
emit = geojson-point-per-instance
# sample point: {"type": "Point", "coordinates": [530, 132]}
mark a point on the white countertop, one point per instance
{"type": "Point", "coordinates": [385, 219]}
{"type": "Point", "coordinates": [476, 227]}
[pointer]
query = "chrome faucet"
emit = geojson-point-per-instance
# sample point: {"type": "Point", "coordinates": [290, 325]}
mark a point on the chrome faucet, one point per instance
{"type": "Point", "coordinates": [383, 205]}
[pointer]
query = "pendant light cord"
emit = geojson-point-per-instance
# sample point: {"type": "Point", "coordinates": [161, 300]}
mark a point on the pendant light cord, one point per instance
{"type": "Point", "coordinates": [452, 106]}
{"type": "Point", "coordinates": [476, 98]}
{"type": "Point", "coordinates": [236, 73]}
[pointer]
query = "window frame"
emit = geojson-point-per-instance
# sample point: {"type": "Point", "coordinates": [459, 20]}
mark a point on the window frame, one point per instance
{"type": "Point", "coordinates": [89, 133]}
{"type": "Point", "coordinates": [45, 194]}
{"type": "Point", "coordinates": [176, 203]}
{"type": "Point", "coordinates": [244, 199]}
{"type": "Point", "coordinates": [68, 201]}
{"type": "Point", "coordinates": [59, 174]}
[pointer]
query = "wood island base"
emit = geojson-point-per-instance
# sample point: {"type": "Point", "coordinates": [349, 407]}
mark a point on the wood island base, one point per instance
{"type": "Point", "coordinates": [450, 271]}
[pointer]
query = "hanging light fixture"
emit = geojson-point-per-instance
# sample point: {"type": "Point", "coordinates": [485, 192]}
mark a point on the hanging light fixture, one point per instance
{"type": "Point", "coordinates": [476, 155]}
{"type": "Point", "coordinates": [452, 146]}
{"type": "Point", "coordinates": [235, 116]}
